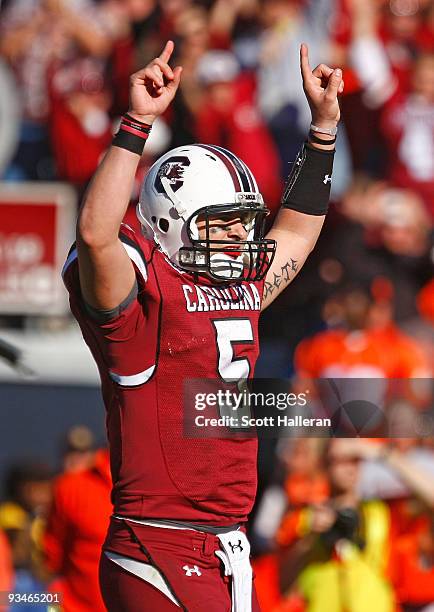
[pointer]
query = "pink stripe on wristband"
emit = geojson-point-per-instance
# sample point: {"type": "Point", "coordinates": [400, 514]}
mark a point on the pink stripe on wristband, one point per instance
{"type": "Point", "coordinates": [137, 126]}
{"type": "Point", "coordinates": [128, 128]}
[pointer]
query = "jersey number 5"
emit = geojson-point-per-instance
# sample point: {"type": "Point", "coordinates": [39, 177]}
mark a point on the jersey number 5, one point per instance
{"type": "Point", "coordinates": [230, 332]}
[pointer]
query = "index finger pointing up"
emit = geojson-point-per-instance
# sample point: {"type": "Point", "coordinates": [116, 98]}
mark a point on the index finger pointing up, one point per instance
{"type": "Point", "coordinates": [306, 70]}
{"type": "Point", "coordinates": [167, 51]}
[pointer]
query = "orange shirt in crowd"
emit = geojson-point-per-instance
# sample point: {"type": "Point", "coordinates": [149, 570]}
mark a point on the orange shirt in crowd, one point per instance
{"type": "Point", "coordinates": [386, 352]}
{"type": "Point", "coordinates": [406, 518]}
{"type": "Point", "coordinates": [413, 583]}
{"type": "Point", "coordinates": [302, 490]}
{"type": "Point", "coordinates": [6, 568]}
{"type": "Point", "coordinates": [425, 301]}
{"type": "Point", "coordinates": [76, 529]}
{"type": "Point", "coordinates": [266, 571]}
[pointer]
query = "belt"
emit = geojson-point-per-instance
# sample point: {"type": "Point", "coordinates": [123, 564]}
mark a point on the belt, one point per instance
{"type": "Point", "coordinates": [170, 524]}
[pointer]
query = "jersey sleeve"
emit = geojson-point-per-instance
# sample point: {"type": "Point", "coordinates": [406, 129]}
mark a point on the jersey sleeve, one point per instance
{"type": "Point", "coordinates": [123, 344]}
{"type": "Point", "coordinates": [139, 252]}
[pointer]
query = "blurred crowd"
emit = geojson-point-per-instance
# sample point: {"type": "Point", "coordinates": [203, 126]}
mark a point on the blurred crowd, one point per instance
{"type": "Point", "coordinates": [53, 521]}
{"type": "Point", "coordinates": [349, 527]}
{"type": "Point", "coordinates": [342, 525]}
{"type": "Point", "coordinates": [354, 518]}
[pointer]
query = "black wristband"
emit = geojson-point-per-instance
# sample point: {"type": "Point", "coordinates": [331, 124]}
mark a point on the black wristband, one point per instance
{"type": "Point", "coordinates": [322, 141]}
{"type": "Point", "coordinates": [307, 189]}
{"type": "Point", "coordinates": [131, 135]}
{"type": "Point", "coordinates": [127, 141]}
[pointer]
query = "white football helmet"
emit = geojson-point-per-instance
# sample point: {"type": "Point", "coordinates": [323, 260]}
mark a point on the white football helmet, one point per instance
{"type": "Point", "coordinates": [206, 181]}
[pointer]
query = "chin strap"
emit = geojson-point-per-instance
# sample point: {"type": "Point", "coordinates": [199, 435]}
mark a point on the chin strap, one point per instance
{"type": "Point", "coordinates": [227, 266]}
{"type": "Point", "coordinates": [177, 204]}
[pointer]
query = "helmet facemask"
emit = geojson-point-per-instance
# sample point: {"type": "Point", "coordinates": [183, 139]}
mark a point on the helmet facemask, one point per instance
{"type": "Point", "coordinates": [229, 260]}
{"type": "Point", "coordinates": [184, 196]}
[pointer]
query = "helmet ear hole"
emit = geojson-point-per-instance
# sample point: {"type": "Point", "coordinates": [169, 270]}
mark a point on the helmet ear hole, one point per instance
{"type": "Point", "coordinates": [154, 219]}
{"type": "Point", "coordinates": [163, 225]}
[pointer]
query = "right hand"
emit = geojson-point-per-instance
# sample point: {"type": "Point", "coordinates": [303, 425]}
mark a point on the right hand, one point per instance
{"type": "Point", "coordinates": [153, 88]}
{"type": "Point", "coordinates": [321, 87]}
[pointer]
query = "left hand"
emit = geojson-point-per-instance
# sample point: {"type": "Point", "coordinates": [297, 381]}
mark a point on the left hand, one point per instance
{"type": "Point", "coordinates": [321, 87]}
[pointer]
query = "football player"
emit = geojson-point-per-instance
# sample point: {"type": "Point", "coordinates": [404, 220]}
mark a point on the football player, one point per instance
{"type": "Point", "coordinates": [182, 300]}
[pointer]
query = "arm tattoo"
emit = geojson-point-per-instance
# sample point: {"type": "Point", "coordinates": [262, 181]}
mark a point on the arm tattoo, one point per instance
{"type": "Point", "coordinates": [277, 280]}
{"type": "Point", "coordinates": [283, 277]}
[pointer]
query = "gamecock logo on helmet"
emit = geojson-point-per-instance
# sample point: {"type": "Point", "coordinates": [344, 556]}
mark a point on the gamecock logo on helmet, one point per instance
{"type": "Point", "coordinates": [173, 170]}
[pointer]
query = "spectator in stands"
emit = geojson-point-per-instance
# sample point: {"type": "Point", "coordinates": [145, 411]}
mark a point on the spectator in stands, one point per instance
{"type": "Point", "coordinates": [236, 26]}
{"type": "Point", "coordinates": [78, 452]}
{"type": "Point", "coordinates": [228, 118]}
{"type": "Point", "coordinates": [365, 342]}
{"type": "Point", "coordinates": [299, 480]}
{"type": "Point", "coordinates": [280, 99]}
{"type": "Point", "coordinates": [426, 301]}
{"type": "Point", "coordinates": [305, 480]}
{"type": "Point", "coordinates": [385, 233]}
{"type": "Point", "coordinates": [412, 568]}
{"type": "Point", "coordinates": [80, 124]}
{"type": "Point", "coordinates": [404, 481]}
{"type": "Point", "coordinates": [344, 543]}
{"type": "Point", "coordinates": [129, 22]}
{"type": "Point", "coordinates": [33, 35]}
{"type": "Point", "coordinates": [393, 217]}
{"type": "Point", "coordinates": [304, 483]}
{"type": "Point", "coordinates": [376, 232]}
{"type": "Point", "coordinates": [6, 567]}
{"type": "Point", "coordinates": [22, 518]}
{"type": "Point", "coordinates": [192, 32]}
{"type": "Point", "coordinates": [404, 224]}
{"type": "Point", "coordinates": [76, 527]}
{"type": "Point", "coordinates": [338, 557]}
{"type": "Point", "coordinates": [407, 122]}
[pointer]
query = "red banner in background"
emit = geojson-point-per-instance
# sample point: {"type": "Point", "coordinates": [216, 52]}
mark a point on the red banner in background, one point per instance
{"type": "Point", "coordinates": [37, 223]}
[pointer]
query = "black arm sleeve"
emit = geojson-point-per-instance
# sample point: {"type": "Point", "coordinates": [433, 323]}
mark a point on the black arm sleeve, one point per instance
{"type": "Point", "coordinates": [307, 189]}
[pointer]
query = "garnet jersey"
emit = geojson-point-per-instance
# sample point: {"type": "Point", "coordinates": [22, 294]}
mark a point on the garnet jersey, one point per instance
{"type": "Point", "coordinates": [178, 327]}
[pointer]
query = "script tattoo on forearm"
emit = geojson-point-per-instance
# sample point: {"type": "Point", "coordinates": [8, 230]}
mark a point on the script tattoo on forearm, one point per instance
{"type": "Point", "coordinates": [286, 273]}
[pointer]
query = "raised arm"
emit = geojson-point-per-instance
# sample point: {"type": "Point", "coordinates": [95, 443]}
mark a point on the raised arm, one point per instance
{"type": "Point", "coordinates": [368, 55]}
{"type": "Point", "coordinates": [81, 27]}
{"type": "Point", "coordinates": [106, 272]}
{"type": "Point", "coordinates": [419, 481]}
{"type": "Point", "coordinates": [304, 202]}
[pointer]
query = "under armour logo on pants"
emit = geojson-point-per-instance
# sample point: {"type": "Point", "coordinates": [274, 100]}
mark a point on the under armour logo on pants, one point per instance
{"type": "Point", "coordinates": [189, 571]}
{"type": "Point", "coordinates": [235, 547]}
